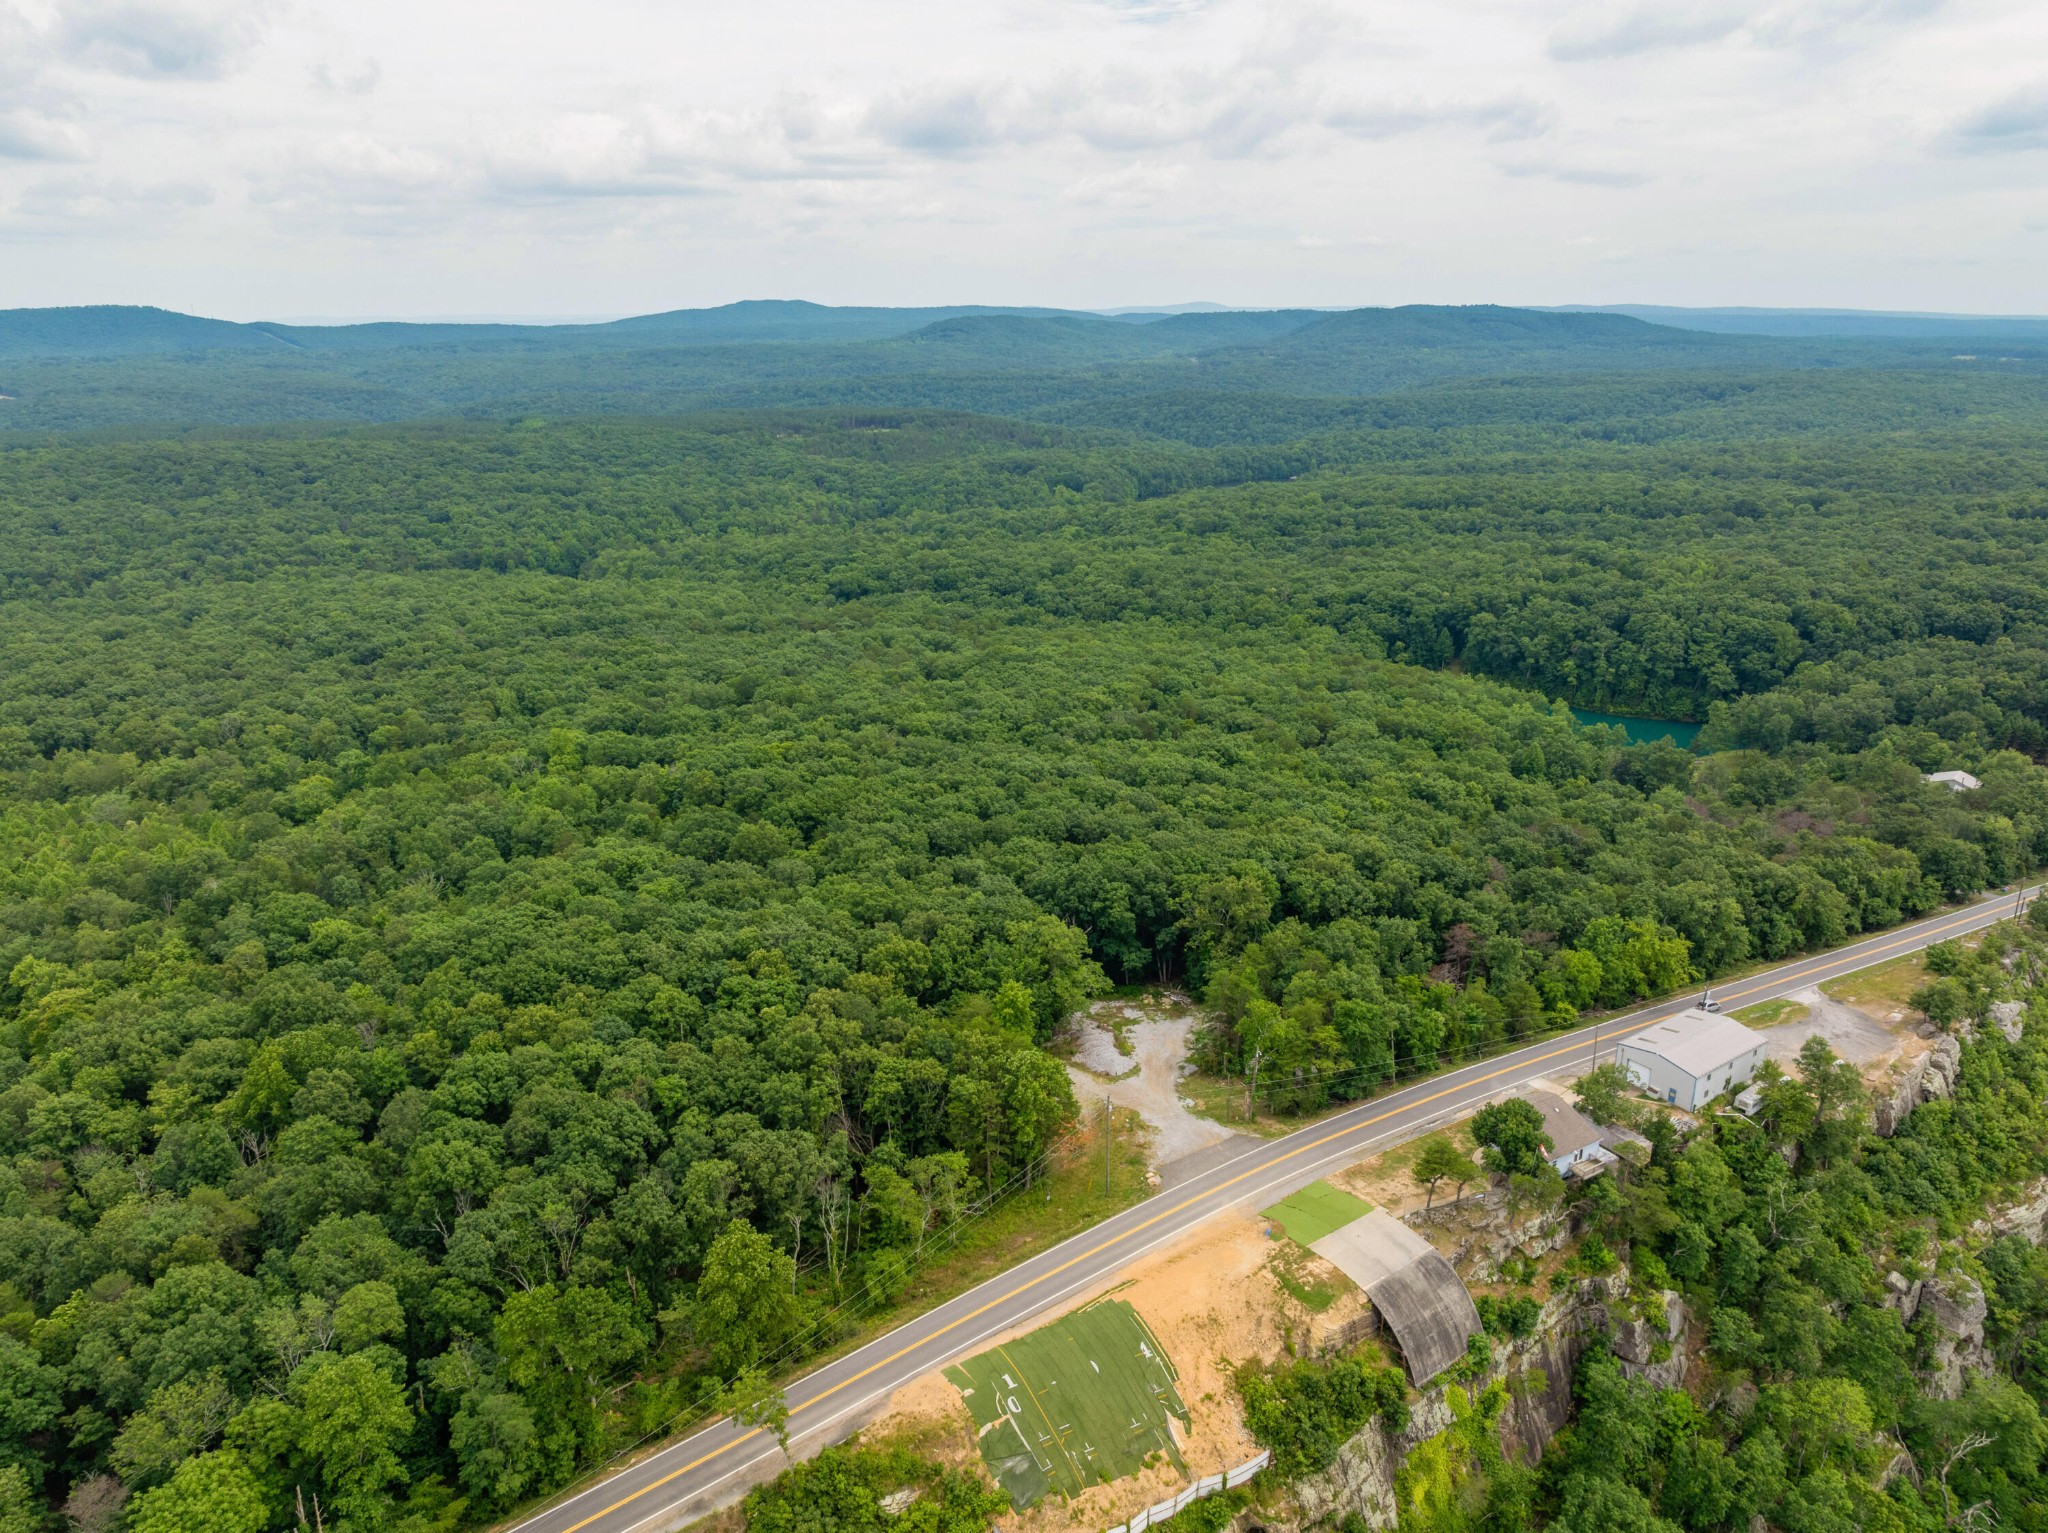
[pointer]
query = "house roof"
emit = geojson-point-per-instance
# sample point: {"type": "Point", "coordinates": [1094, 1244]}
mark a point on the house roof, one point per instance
{"type": "Point", "coordinates": [1696, 1041]}
{"type": "Point", "coordinates": [1568, 1128]}
{"type": "Point", "coordinates": [1957, 780]}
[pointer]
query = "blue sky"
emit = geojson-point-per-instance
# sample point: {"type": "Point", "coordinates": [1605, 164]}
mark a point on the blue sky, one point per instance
{"type": "Point", "coordinates": [291, 157]}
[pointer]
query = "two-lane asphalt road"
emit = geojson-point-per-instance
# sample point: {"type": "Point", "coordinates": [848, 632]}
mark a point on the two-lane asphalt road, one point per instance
{"type": "Point", "coordinates": [717, 1464]}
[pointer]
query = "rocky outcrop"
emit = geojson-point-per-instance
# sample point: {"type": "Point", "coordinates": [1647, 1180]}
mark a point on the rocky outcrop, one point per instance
{"type": "Point", "coordinates": [1929, 1078]}
{"type": "Point", "coordinates": [1899, 1465]}
{"type": "Point", "coordinates": [1638, 1341]}
{"type": "Point", "coordinates": [1540, 1399]}
{"type": "Point", "coordinates": [1903, 1294]}
{"type": "Point", "coordinates": [2009, 1017]}
{"type": "Point", "coordinates": [1362, 1479]}
{"type": "Point", "coordinates": [2027, 1218]}
{"type": "Point", "coordinates": [1953, 1309]}
{"type": "Point", "coordinates": [1485, 1234]}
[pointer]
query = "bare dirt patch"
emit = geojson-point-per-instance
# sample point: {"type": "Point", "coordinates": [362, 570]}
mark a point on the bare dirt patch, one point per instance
{"type": "Point", "coordinates": [1157, 1031]}
{"type": "Point", "coordinates": [1098, 1040]}
{"type": "Point", "coordinates": [1214, 1299]}
{"type": "Point", "coordinates": [1384, 1181]}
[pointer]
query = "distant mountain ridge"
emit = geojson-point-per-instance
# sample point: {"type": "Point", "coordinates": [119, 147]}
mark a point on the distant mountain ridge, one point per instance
{"type": "Point", "coordinates": [116, 330]}
{"type": "Point", "coordinates": [1013, 333]}
{"type": "Point", "coordinates": [103, 330]}
{"type": "Point", "coordinates": [1873, 323]}
{"type": "Point", "coordinates": [1063, 335]}
{"type": "Point", "coordinates": [1192, 372]}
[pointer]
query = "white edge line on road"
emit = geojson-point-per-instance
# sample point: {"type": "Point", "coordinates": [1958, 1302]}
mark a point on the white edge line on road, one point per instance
{"type": "Point", "coordinates": [1984, 912]}
{"type": "Point", "coordinates": [1049, 1300]}
{"type": "Point", "coordinates": [1029, 1311]}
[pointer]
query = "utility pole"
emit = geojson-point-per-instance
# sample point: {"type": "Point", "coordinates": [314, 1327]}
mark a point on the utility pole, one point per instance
{"type": "Point", "coordinates": [1108, 1138]}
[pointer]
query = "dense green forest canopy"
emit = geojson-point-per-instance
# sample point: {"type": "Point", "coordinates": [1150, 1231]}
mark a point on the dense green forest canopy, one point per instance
{"type": "Point", "coordinates": [505, 923]}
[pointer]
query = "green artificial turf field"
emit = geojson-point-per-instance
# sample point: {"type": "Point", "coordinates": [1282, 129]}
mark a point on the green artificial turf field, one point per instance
{"type": "Point", "coordinates": [1076, 1403]}
{"type": "Point", "coordinates": [1310, 1214]}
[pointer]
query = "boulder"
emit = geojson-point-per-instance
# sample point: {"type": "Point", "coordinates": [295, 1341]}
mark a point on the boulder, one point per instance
{"type": "Point", "coordinates": [1927, 1079]}
{"type": "Point", "coordinates": [1953, 1310]}
{"type": "Point", "coordinates": [1633, 1339]}
{"type": "Point", "coordinates": [1903, 1295]}
{"type": "Point", "coordinates": [1943, 1068]}
{"type": "Point", "coordinates": [1639, 1354]}
{"type": "Point", "coordinates": [2027, 1219]}
{"type": "Point", "coordinates": [1900, 1463]}
{"type": "Point", "coordinates": [2010, 1018]}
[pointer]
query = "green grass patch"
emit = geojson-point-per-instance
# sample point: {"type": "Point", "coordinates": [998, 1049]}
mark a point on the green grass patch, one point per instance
{"type": "Point", "coordinates": [1310, 1214]}
{"type": "Point", "coordinates": [1883, 987]}
{"type": "Point", "coordinates": [1771, 1013]}
{"type": "Point", "coordinates": [1314, 1292]}
{"type": "Point", "coordinates": [1080, 1402]}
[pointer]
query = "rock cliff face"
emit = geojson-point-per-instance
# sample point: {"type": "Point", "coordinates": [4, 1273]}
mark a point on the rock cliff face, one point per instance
{"type": "Point", "coordinates": [1930, 1077]}
{"type": "Point", "coordinates": [1948, 1310]}
{"type": "Point", "coordinates": [1363, 1478]}
{"type": "Point", "coordinates": [2027, 1218]}
{"type": "Point", "coordinates": [1953, 1311]}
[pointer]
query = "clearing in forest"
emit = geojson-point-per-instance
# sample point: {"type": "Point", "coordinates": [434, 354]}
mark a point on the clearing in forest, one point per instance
{"type": "Point", "coordinates": [1080, 1402]}
{"type": "Point", "coordinates": [1315, 1211]}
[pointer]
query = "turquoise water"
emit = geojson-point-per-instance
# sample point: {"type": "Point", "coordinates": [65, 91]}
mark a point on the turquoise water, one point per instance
{"type": "Point", "coordinates": [1643, 731]}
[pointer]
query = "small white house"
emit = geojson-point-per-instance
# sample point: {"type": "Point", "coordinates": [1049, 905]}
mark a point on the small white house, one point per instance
{"type": "Point", "coordinates": [1691, 1058]}
{"type": "Point", "coordinates": [1575, 1147]}
{"type": "Point", "coordinates": [1955, 782]}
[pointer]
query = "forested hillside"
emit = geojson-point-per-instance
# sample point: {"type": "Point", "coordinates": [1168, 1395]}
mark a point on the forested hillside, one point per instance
{"type": "Point", "coordinates": [70, 369]}
{"type": "Point", "coordinates": [506, 923]}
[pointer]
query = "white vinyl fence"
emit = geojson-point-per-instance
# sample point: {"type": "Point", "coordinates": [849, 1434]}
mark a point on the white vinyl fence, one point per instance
{"type": "Point", "coordinates": [1208, 1485]}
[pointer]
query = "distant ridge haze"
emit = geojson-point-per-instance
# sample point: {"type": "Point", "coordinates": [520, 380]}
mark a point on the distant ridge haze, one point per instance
{"type": "Point", "coordinates": [131, 330]}
{"type": "Point", "coordinates": [1191, 371]}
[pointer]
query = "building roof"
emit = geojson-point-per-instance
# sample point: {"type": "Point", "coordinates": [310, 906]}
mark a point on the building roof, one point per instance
{"type": "Point", "coordinates": [1959, 781]}
{"type": "Point", "coordinates": [1697, 1041]}
{"type": "Point", "coordinates": [1417, 1292]}
{"type": "Point", "coordinates": [1568, 1128]}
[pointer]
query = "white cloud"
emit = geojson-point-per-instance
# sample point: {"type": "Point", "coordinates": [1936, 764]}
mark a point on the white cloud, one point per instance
{"type": "Point", "coordinates": [355, 77]}
{"type": "Point", "coordinates": [1609, 34]}
{"type": "Point", "coordinates": [1154, 10]}
{"type": "Point", "coordinates": [309, 156]}
{"type": "Point", "coordinates": [159, 39]}
{"type": "Point", "coordinates": [1501, 121]}
{"type": "Point", "coordinates": [1609, 31]}
{"type": "Point", "coordinates": [1572, 173]}
{"type": "Point", "coordinates": [2015, 122]}
{"type": "Point", "coordinates": [84, 205]}
{"type": "Point", "coordinates": [1125, 186]}
{"type": "Point", "coordinates": [26, 134]}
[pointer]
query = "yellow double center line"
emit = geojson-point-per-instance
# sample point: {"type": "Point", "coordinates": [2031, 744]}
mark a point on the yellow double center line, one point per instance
{"type": "Point", "coordinates": [1860, 959]}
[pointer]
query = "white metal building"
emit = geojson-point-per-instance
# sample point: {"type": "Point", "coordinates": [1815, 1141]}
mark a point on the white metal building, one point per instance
{"type": "Point", "coordinates": [1691, 1058]}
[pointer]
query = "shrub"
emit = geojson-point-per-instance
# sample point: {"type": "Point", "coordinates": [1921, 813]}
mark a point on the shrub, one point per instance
{"type": "Point", "coordinates": [1513, 1317]}
{"type": "Point", "coordinates": [1306, 1412]}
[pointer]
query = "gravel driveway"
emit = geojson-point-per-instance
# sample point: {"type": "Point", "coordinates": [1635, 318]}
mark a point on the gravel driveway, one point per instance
{"type": "Point", "coordinates": [1159, 1050]}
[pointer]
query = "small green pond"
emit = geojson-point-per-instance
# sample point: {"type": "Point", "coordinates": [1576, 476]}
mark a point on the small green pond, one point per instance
{"type": "Point", "coordinates": [1643, 731]}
